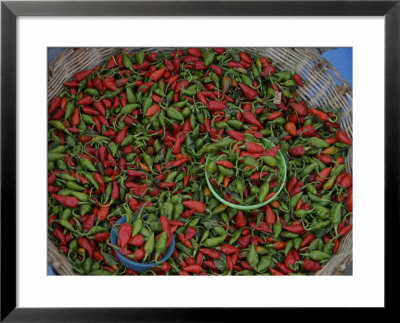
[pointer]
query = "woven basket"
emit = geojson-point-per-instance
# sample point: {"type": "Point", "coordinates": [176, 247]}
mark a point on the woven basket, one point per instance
{"type": "Point", "coordinates": [324, 88]}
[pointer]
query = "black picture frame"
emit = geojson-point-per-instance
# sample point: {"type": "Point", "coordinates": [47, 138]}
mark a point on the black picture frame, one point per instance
{"type": "Point", "coordinates": [10, 10]}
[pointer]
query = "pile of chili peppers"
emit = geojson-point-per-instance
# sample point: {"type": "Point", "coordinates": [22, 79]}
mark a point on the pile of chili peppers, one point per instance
{"type": "Point", "coordinates": [130, 137]}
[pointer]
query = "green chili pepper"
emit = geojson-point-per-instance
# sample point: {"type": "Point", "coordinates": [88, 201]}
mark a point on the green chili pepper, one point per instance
{"type": "Point", "coordinates": [110, 94]}
{"type": "Point", "coordinates": [69, 109]}
{"type": "Point", "coordinates": [85, 208]}
{"type": "Point", "coordinates": [295, 199]}
{"type": "Point", "coordinates": [252, 256]}
{"type": "Point", "coordinates": [160, 245]}
{"type": "Point", "coordinates": [339, 168]}
{"type": "Point", "coordinates": [87, 164]}
{"type": "Point", "coordinates": [321, 211]}
{"type": "Point", "coordinates": [92, 92]}
{"type": "Point", "coordinates": [130, 96]}
{"type": "Point", "coordinates": [140, 57]}
{"type": "Point", "coordinates": [74, 186]}
{"type": "Point", "coordinates": [328, 248]}
{"type": "Point", "coordinates": [208, 57]}
{"type": "Point", "coordinates": [319, 255]}
{"type": "Point", "coordinates": [287, 93]}
{"type": "Point", "coordinates": [183, 248]}
{"type": "Point", "coordinates": [309, 168]}
{"type": "Point", "coordinates": [174, 114]}
{"type": "Point", "coordinates": [148, 246]}
{"type": "Point", "coordinates": [54, 156]}
{"type": "Point", "coordinates": [91, 179]}
{"type": "Point", "coordinates": [66, 224]}
{"type": "Point", "coordinates": [67, 214]}
{"type": "Point", "coordinates": [264, 264]}
{"type": "Point", "coordinates": [73, 245]}
{"type": "Point", "coordinates": [264, 189]}
{"type": "Point", "coordinates": [297, 242]}
{"type": "Point", "coordinates": [87, 265]}
{"type": "Point", "coordinates": [318, 142]}
{"type": "Point", "coordinates": [126, 61]}
{"type": "Point", "coordinates": [58, 125]}
{"type": "Point", "coordinates": [83, 197]}
{"type": "Point", "coordinates": [319, 225]}
{"type": "Point", "coordinates": [289, 235]}
{"type": "Point", "coordinates": [336, 216]}
{"type": "Point", "coordinates": [289, 245]}
{"type": "Point", "coordinates": [215, 241]}
{"type": "Point", "coordinates": [277, 228]}
{"type": "Point", "coordinates": [167, 209]}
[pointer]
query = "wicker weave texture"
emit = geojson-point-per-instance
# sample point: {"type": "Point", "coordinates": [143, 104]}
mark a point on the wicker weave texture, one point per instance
{"type": "Point", "coordinates": [325, 88]}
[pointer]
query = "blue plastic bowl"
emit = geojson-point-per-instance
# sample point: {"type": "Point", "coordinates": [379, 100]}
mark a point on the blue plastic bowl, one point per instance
{"type": "Point", "coordinates": [136, 265]}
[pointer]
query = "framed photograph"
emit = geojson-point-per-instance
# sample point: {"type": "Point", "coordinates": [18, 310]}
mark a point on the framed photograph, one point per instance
{"type": "Point", "coordinates": [182, 139]}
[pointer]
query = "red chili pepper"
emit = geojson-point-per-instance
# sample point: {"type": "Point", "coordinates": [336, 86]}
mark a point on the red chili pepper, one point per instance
{"type": "Point", "coordinates": [297, 79]}
{"type": "Point", "coordinates": [308, 238]}
{"type": "Point", "coordinates": [248, 117]}
{"type": "Point", "coordinates": [85, 244]}
{"type": "Point", "coordinates": [210, 264]}
{"type": "Point", "coordinates": [254, 148]}
{"type": "Point", "coordinates": [124, 234]}
{"type": "Point", "coordinates": [213, 254]}
{"type": "Point", "coordinates": [295, 228]}
{"type": "Point", "coordinates": [275, 272]}
{"type": "Point", "coordinates": [297, 151]}
{"type": "Point", "coordinates": [194, 52]}
{"type": "Point", "coordinates": [121, 135]}
{"type": "Point", "coordinates": [59, 235]}
{"type": "Point", "coordinates": [343, 137]}
{"type": "Point", "coordinates": [232, 64]}
{"type": "Point", "coordinates": [235, 135]}
{"type": "Point", "coordinates": [103, 212]}
{"type": "Point", "coordinates": [68, 201]}
{"type": "Point", "coordinates": [156, 75]}
{"type": "Point", "coordinates": [197, 206]}
{"type": "Point", "coordinates": [267, 70]}
{"type": "Point", "coordinates": [345, 230]}
{"type": "Point", "coordinates": [240, 219]}
{"type": "Point", "coordinates": [102, 236]}
{"type": "Point", "coordinates": [114, 191]}
{"type": "Point", "coordinates": [54, 104]}
{"type": "Point", "coordinates": [250, 93]}
{"type": "Point", "coordinates": [311, 265]}
{"type": "Point", "coordinates": [219, 50]}
{"type": "Point", "coordinates": [326, 159]}
{"type": "Point", "coordinates": [282, 267]}
{"type": "Point", "coordinates": [227, 249]}
{"type": "Point", "coordinates": [273, 115]}
{"type": "Point", "coordinates": [216, 105]}
{"type": "Point", "coordinates": [299, 108]}
{"type": "Point", "coordinates": [244, 241]}
{"type": "Point", "coordinates": [319, 114]}
{"type": "Point", "coordinates": [245, 265]}
{"type": "Point", "coordinates": [224, 163]}
{"type": "Point", "coordinates": [85, 100]}
{"type": "Point", "coordinates": [82, 75]}
{"type": "Point", "coordinates": [270, 216]}
{"type": "Point", "coordinates": [99, 106]}
{"type": "Point", "coordinates": [136, 240]}
{"type": "Point", "coordinates": [190, 233]}
{"type": "Point", "coordinates": [109, 84]}
{"type": "Point", "coordinates": [279, 245]}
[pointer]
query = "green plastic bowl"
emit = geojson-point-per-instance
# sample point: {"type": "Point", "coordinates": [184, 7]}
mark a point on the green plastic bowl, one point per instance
{"type": "Point", "coordinates": [281, 166]}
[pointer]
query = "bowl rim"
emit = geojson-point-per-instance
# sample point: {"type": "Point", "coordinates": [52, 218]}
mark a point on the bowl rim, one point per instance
{"type": "Point", "coordinates": [149, 265]}
{"type": "Point", "coordinates": [254, 206]}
